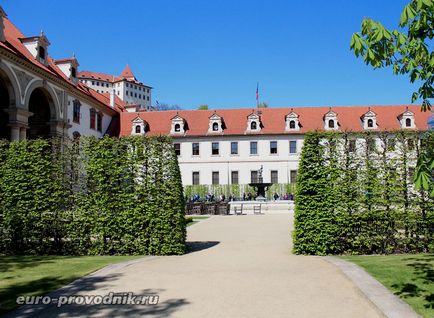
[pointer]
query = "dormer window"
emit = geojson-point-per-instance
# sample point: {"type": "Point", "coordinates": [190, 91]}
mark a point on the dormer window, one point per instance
{"type": "Point", "coordinates": [369, 120]}
{"type": "Point", "coordinates": [178, 125]}
{"type": "Point", "coordinates": [41, 52]}
{"type": "Point", "coordinates": [331, 121]}
{"type": "Point", "coordinates": [253, 123]}
{"type": "Point", "coordinates": [407, 120]}
{"type": "Point", "coordinates": [69, 67]}
{"type": "Point", "coordinates": [37, 46]}
{"type": "Point", "coordinates": [139, 126]}
{"type": "Point", "coordinates": [292, 121]}
{"type": "Point", "coordinates": [215, 123]}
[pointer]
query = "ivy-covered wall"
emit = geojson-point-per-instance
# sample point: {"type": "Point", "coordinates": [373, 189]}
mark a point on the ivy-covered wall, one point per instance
{"type": "Point", "coordinates": [355, 194]}
{"type": "Point", "coordinates": [98, 196]}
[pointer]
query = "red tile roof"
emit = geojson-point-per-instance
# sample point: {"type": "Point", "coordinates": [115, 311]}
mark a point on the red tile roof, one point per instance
{"type": "Point", "coordinates": [127, 73]}
{"type": "Point", "coordinates": [273, 119]}
{"type": "Point", "coordinates": [14, 45]}
{"type": "Point", "coordinates": [96, 75]}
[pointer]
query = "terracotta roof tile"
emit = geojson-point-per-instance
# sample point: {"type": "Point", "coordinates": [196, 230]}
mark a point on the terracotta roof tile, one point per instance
{"type": "Point", "coordinates": [273, 119]}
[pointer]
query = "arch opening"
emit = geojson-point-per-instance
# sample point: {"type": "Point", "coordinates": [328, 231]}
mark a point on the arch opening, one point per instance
{"type": "Point", "coordinates": [40, 121]}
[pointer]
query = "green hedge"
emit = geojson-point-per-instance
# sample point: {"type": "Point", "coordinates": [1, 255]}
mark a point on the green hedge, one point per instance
{"type": "Point", "coordinates": [98, 196]}
{"type": "Point", "coordinates": [361, 201]}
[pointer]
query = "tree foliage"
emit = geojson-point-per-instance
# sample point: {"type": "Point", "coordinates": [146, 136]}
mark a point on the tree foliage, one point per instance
{"type": "Point", "coordinates": [203, 107]}
{"type": "Point", "coordinates": [355, 195]}
{"type": "Point", "coordinates": [98, 196]}
{"type": "Point", "coordinates": [407, 51]}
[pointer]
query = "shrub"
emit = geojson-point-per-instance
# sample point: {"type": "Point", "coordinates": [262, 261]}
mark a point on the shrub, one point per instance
{"type": "Point", "coordinates": [98, 196]}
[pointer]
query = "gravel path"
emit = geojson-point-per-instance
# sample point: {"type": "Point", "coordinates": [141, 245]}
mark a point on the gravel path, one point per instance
{"type": "Point", "coordinates": [239, 266]}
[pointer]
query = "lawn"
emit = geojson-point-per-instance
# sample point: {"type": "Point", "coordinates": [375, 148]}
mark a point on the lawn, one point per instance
{"type": "Point", "coordinates": [38, 275]}
{"type": "Point", "coordinates": [194, 219]}
{"type": "Point", "coordinates": [411, 277]}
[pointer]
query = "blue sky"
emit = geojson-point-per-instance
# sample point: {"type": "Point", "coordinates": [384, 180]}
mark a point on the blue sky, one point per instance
{"type": "Point", "coordinates": [214, 52]}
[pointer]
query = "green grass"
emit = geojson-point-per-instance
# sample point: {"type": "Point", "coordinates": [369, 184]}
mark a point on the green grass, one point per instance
{"type": "Point", "coordinates": [411, 277]}
{"type": "Point", "coordinates": [194, 219]}
{"type": "Point", "coordinates": [39, 275]}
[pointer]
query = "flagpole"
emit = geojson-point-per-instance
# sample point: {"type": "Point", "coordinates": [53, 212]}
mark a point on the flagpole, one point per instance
{"type": "Point", "coordinates": [257, 95]}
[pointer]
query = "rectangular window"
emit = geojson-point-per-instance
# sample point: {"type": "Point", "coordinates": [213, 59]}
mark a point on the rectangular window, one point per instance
{"type": "Point", "coordinates": [126, 93]}
{"type": "Point", "coordinates": [371, 145]}
{"type": "Point", "coordinates": [352, 146]}
{"type": "Point", "coordinates": [97, 83]}
{"type": "Point", "coordinates": [273, 147]}
{"type": "Point", "coordinates": [147, 98]}
{"type": "Point", "coordinates": [293, 176]}
{"type": "Point", "coordinates": [410, 144]}
{"type": "Point", "coordinates": [195, 177]}
{"type": "Point", "coordinates": [254, 178]}
{"type": "Point", "coordinates": [215, 177]}
{"type": "Point", "coordinates": [92, 119]}
{"type": "Point", "coordinates": [391, 144]}
{"type": "Point", "coordinates": [274, 176]}
{"type": "Point", "coordinates": [293, 146]}
{"type": "Point", "coordinates": [234, 177]}
{"type": "Point", "coordinates": [195, 149]}
{"type": "Point", "coordinates": [99, 122]}
{"type": "Point", "coordinates": [93, 82]}
{"type": "Point", "coordinates": [76, 112]}
{"type": "Point", "coordinates": [41, 52]}
{"type": "Point", "coordinates": [177, 149]}
{"type": "Point", "coordinates": [234, 148]}
{"type": "Point", "coordinates": [253, 147]}
{"type": "Point", "coordinates": [215, 148]}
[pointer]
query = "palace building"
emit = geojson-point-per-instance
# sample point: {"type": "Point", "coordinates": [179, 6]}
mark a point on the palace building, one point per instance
{"type": "Point", "coordinates": [134, 93]}
{"type": "Point", "coordinates": [228, 146]}
{"type": "Point", "coordinates": [45, 97]}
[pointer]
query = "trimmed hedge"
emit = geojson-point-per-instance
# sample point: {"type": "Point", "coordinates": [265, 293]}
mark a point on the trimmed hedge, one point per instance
{"type": "Point", "coordinates": [98, 196]}
{"type": "Point", "coordinates": [362, 200]}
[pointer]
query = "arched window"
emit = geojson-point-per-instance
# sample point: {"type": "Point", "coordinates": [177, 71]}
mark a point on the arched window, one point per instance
{"type": "Point", "coordinates": [177, 127]}
{"type": "Point", "coordinates": [331, 123]}
{"type": "Point", "coordinates": [408, 122]}
{"type": "Point", "coordinates": [215, 127]}
{"type": "Point", "coordinates": [292, 124]}
{"type": "Point", "coordinates": [253, 125]}
{"type": "Point", "coordinates": [138, 129]}
{"type": "Point", "coordinates": [370, 123]}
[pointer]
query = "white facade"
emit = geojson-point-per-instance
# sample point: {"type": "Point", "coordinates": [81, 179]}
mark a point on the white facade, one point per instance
{"type": "Point", "coordinates": [125, 86]}
{"type": "Point", "coordinates": [244, 161]}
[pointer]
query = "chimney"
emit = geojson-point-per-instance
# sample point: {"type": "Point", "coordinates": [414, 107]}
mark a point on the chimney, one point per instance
{"type": "Point", "coordinates": [2, 25]}
{"type": "Point", "coordinates": [112, 98]}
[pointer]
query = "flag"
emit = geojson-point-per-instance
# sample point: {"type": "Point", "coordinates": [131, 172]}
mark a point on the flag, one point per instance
{"type": "Point", "coordinates": [257, 91]}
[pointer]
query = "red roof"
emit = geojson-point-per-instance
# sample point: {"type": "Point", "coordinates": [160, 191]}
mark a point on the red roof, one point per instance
{"type": "Point", "coordinates": [127, 73]}
{"type": "Point", "coordinates": [14, 45]}
{"type": "Point", "coordinates": [96, 75]}
{"type": "Point", "coordinates": [273, 119]}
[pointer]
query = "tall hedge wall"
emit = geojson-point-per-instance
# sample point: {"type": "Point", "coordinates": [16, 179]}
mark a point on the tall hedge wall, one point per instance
{"type": "Point", "coordinates": [359, 197]}
{"type": "Point", "coordinates": [96, 196]}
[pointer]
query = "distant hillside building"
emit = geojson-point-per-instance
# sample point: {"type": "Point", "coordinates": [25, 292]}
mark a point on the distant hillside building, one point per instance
{"type": "Point", "coordinates": [130, 90]}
